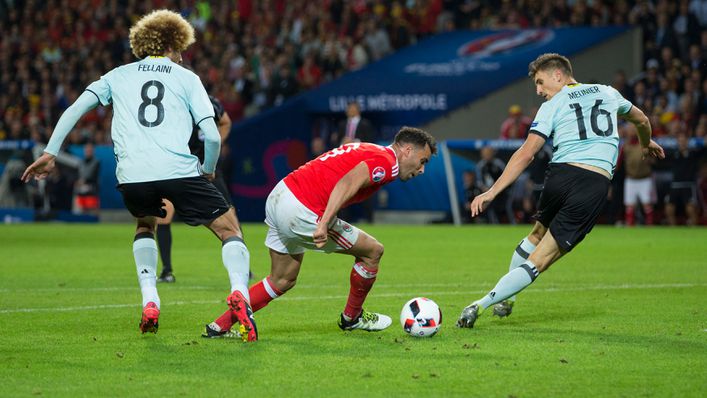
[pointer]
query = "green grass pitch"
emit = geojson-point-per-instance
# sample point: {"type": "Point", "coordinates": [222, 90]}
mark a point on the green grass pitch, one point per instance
{"type": "Point", "coordinates": [623, 315]}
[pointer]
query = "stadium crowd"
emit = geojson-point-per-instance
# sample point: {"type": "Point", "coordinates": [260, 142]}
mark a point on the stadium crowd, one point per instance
{"type": "Point", "coordinates": [253, 55]}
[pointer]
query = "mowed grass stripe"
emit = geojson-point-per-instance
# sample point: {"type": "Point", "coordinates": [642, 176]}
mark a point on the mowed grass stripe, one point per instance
{"type": "Point", "coordinates": [381, 295]}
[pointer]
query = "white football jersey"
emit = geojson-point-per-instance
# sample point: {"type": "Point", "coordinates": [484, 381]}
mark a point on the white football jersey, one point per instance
{"type": "Point", "coordinates": [156, 103]}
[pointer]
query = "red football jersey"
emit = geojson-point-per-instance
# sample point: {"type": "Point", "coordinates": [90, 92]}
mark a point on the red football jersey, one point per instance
{"type": "Point", "coordinates": [313, 182]}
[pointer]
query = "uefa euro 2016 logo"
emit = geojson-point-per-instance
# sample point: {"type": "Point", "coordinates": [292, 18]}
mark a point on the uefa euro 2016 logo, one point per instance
{"type": "Point", "coordinates": [378, 174]}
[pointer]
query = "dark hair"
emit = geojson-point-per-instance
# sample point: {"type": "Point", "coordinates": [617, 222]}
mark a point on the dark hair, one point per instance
{"type": "Point", "coordinates": [416, 137]}
{"type": "Point", "coordinates": [550, 61]}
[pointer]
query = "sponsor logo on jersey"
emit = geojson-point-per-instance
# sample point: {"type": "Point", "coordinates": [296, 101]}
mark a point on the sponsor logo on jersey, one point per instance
{"type": "Point", "coordinates": [533, 124]}
{"type": "Point", "coordinates": [378, 174]}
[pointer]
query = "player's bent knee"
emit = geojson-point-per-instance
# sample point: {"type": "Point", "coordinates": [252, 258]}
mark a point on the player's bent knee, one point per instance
{"type": "Point", "coordinates": [283, 284]}
{"type": "Point", "coordinates": [379, 250]}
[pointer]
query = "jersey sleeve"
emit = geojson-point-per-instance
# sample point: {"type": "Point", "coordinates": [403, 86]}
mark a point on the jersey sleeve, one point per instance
{"type": "Point", "coordinates": [624, 104]}
{"type": "Point", "coordinates": [218, 108]}
{"type": "Point", "coordinates": [380, 169]}
{"type": "Point", "coordinates": [543, 123]}
{"type": "Point", "coordinates": [101, 89]}
{"type": "Point", "coordinates": [200, 106]}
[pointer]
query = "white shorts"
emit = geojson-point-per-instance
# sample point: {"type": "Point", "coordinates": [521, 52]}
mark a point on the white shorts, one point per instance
{"type": "Point", "coordinates": [638, 190]}
{"type": "Point", "coordinates": [292, 225]}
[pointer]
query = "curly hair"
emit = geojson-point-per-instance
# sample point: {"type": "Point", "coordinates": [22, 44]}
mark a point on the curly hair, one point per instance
{"type": "Point", "coordinates": [159, 32]}
{"type": "Point", "coordinates": [550, 61]}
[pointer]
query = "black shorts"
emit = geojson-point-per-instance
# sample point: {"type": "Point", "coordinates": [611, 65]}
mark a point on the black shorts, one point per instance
{"type": "Point", "coordinates": [220, 184]}
{"type": "Point", "coordinates": [682, 193]}
{"type": "Point", "coordinates": [196, 200]}
{"type": "Point", "coordinates": [571, 202]}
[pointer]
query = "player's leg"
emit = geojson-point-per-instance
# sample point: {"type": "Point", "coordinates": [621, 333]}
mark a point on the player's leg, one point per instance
{"type": "Point", "coordinates": [646, 197]}
{"type": "Point", "coordinates": [549, 202]}
{"type": "Point", "coordinates": [692, 213]}
{"type": "Point", "coordinates": [582, 196]}
{"type": "Point", "coordinates": [521, 253]}
{"type": "Point", "coordinates": [546, 253]}
{"type": "Point", "coordinates": [283, 276]}
{"type": "Point", "coordinates": [670, 206]}
{"type": "Point", "coordinates": [145, 254]}
{"type": "Point", "coordinates": [164, 242]}
{"type": "Point", "coordinates": [197, 202]}
{"type": "Point", "coordinates": [689, 201]}
{"type": "Point", "coordinates": [236, 260]}
{"type": "Point", "coordinates": [367, 252]}
{"type": "Point", "coordinates": [630, 200]}
{"type": "Point", "coordinates": [284, 269]}
{"type": "Point", "coordinates": [145, 203]}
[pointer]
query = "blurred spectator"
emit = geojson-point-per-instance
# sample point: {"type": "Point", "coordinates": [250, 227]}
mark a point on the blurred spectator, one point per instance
{"type": "Point", "coordinates": [638, 185]}
{"type": "Point", "coordinates": [255, 55]}
{"type": "Point", "coordinates": [354, 128]}
{"type": "Point", "coordinates": [682, 198]}
{"type": "Point", "coordinates": [284, 86]}
{"type": "Point", "coordinates": [488, 170]}
{"type": "Point", "coordinates": [471, 190]}
{"type": "Point", "coordinates": [309, 74]}
{"type": "Point", "coordinates": [13, 192]}
{"type": "Point", "coordinates": [536, 181]}
{"type": "Point", "coordinates": [59, 190]}
{"type": "Point", "coordinates": [377, 40]}
{"type": "Point", "coordinates": [86, 199]}
{"type": "Point", "coordinates": [516, 125]}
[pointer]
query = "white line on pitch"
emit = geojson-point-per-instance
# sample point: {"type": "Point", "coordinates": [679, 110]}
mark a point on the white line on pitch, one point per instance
{"type": "Point", "coordinates": [224, 287]}
{"type": "Point", "coordinates": [396, 294]}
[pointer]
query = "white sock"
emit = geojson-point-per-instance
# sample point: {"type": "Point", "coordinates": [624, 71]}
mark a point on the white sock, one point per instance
{"type": "Point", "coordinates": [145, 253]}
{"type": "Point", "coordinates": [236, 259]}
{"type": "Point", "coordinates": [524, 249]}
{"type": "Point", "coordinates": [511, 283]}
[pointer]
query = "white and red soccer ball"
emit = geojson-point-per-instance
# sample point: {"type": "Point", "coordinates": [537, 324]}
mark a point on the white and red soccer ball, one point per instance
{"type": "Point", "coordinates": [421, 317]}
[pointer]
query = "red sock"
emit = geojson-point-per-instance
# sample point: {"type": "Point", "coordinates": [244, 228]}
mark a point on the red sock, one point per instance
{"type": "Point", "coordinates": [225, 321]}
{"type": "Point", "coordinates": [262, 293]}
{"type": "Point", "coordinates": [629, 215]}
{"type": "Point", "coordinates": [362, 279]}
{"type": "Point", "coordinates": [648, 210]}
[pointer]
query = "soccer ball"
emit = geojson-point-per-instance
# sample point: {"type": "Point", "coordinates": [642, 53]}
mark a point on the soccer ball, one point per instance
{"type": "Point", "coordinates": [421, 317]}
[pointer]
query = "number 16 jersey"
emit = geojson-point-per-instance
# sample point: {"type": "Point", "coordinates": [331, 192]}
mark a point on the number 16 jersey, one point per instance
{"type": "Point", "coordinates": [581, 120]}
{"type": "Point", "coordinates": [155, 104]}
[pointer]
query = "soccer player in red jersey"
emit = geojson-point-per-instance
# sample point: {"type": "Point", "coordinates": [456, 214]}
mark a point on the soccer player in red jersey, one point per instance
{"type": "Point", "coordinates": [301, 213]}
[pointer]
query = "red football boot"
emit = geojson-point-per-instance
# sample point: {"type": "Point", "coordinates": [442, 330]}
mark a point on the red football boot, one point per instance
{"type": "Point", "coordinates": [244, 314]}
{"type": "Point", "coordinates": [150, 316]}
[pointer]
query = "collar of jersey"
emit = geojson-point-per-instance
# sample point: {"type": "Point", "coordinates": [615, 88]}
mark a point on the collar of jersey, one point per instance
{"type": "Point", "coordinates": [390, 147]}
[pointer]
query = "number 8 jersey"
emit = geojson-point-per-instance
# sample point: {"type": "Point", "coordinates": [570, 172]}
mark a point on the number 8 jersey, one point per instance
{"type": "Point", "coordinates": [155, 104]}
{"type": "Point", "coordinates": [581, 120]}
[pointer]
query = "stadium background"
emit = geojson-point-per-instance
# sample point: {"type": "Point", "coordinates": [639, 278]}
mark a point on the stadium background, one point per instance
{"type": "Point", "coordinates": [622, 316]}
{"type": "Point", "coordinates": [284, 71]}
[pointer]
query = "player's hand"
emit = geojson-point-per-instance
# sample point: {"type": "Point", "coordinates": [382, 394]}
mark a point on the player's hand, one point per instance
{"type": "Point", "coordinates": [40, 168]}
{"type": "Point", "coordinates": [653, 150]}
{"type": "Point", "coordinates": [481, 202]}
{"type": "Point", "coordinates": [211, 176]}
{"type": "Point", "coordinates": [320, 236]}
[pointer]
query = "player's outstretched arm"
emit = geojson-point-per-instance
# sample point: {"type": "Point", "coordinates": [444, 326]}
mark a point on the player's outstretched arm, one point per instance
{"type": "Point", "coordinates": [518, 162]}
{"type": "Point", "coordinates": [45, 163]}
{"type": "Point", "coordinates": [643, 125]}
{"type": "Point", "coordinates": [344, 190]}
